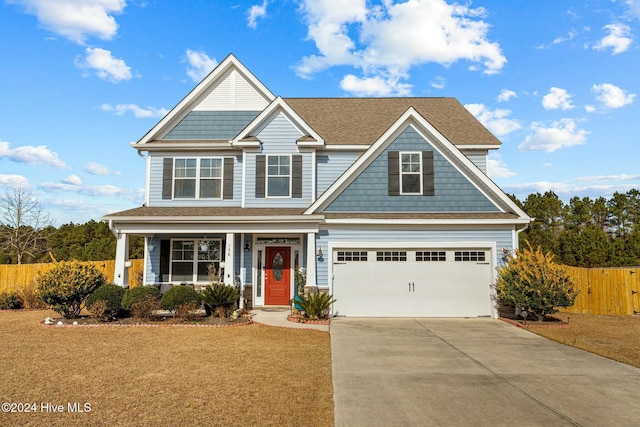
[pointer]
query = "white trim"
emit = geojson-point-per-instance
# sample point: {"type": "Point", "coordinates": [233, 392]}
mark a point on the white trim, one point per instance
{"type": "Point", "coordinates": [147, 178]}
{"type": "Point", "coordinates": [267, 176]}
{"type": "Point", "coordinates": [243, 200]}
{"type": "Point", "coordinates": [201, 90]}
{"type": "Point", "coordinates": [420, 173]}
{"type": "Point", "coordinates": [194, 262]}
{"type": "Point", "coordinates": [412, 118]}
{"type": "Point", "coordinates": [182, 145]}
{"type": "Point", "coordinates": [279, 105]}
{"type": "Point", "coordinates": [198, 178]}
{"type": "Point", "coordinates": [334, 245]}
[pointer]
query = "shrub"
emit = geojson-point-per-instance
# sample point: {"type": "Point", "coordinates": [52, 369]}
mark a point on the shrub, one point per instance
{"type": "Point", "coordinates": [100, 310]}
{"type": "Point", "coordinates": [110, 293]}
{"type": "Point", "coordinates": [10, 300]}
{"type": "Point", "coordinates": [30, 296]}
{"type": "Point", "coordinates": [133, 295]}
{"type": "Point", "coordinates": [179, 295]}
{"type": "Point", "coordinates": [219, 299]}
{"type": "Point", "coordinates": [315, 305]}
{"type": "Point", "coordinates": [187, 311]}
{"type": "Point", "coordinates": [145, 307]}
{"type": "Point", "coordinates": [532, 281]}
{"type": "Point", "coordinates": [66, 287]}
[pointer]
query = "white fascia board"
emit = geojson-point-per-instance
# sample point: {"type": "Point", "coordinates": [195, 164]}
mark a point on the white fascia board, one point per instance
{"type": "Point", "coordinates": [217, 219]}
{"type": "Point", "coordinates": [276, 106]}
{"type": "Point", "coordinates": [332, 245]}
{"type": "Point", "coordinates": [195, 229]}
{"type": "Point", "coordinates": [406, 221]}
{"type": "Point", "coordinates": [184, 106]}
{"type": "Point", "coordinates": [472, 147]}
{"type": "Point", "coordinates": [183, 145]}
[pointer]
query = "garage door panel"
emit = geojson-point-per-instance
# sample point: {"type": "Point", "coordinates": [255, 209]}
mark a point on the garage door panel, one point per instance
{"type": "Point", "coordinates": [455, 285]}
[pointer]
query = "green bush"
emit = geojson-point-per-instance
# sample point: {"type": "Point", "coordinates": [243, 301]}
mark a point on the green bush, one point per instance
{"type": "Point", "coordinates": [110, 293]}
{"type": "Point", "coordinates": [315, 305]}
{"type": "Point", "coordinates": [179, 295]}
{"type": "Point", "coordinates": [133, 295]}
{"type": "Point", "coordinates": [219, 299]}
{"type": "Point", "coordinates": [67, 286]}
{"type": "Point", "coordinates": [10, 300]}
{"type": "Point", "coordinates": [532, 281]}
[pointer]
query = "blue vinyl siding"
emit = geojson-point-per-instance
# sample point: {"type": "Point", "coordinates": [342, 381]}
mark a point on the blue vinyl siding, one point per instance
{"type": "Point", "coordinates": [330, 166]}
{"type": "Point", "coordinates": [502, 236]}
{"type": "Point", "coordinates": [211, 125]}
{"type": "Point", "coordinates": [279, 136]}
{"type": "Point", "coordinates": [453, 191]}
{"type": "Point", "coordinates": [155, 182]}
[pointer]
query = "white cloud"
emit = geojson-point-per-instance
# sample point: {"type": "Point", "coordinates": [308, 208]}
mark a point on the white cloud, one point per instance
{"type": "Point", "coordinates": [13, 181]}
{"type": "Point", "coordinates": [620, 177]}
{"type": "Point", "coordinates": [374, 86]}
{"type": "Point", "coordinates": [612, 96]}
{"type": "Point", "coordinates": [438, 82]}
{"type": "Point", "coordinates": [557, 99]}
{"type": "Point", "coordinates": [105, 65]}
{"type": "Point", "coordinates": [570, 36]}
{"type": "Point", "coordinates": [496, 121]}
{"type": "Point", "coordinates": [72, 180]}
{"type": "Point", "coordinates": [31, 155]}
{"type": "Point", "coordinates": [568, 189]}
{"type": "Point", "coordinates": [138, 112]}
{"type": "Point", "coordinates": [76, 20]}
{"type": "Point", "coordinates": [388, 39]}
{"type": "Point", "coordinates": [97, 169]}
{"type": "Point", "coordinates": [496, 168]}
{"type": "Point", "coordinates": [560, 134]}
{"type": "Point", "coordinates": [255, 12]}
{"type": "Point", "coordinates": [506, 95]}
{"type": "Point", "coordinates": [619, 39]}
{"type": "Point", "coordinates": [200, 65]}
{"type": "Point", "coordinates": [133, 194]}
{"type": "Point", "coordinates": [633, 8]}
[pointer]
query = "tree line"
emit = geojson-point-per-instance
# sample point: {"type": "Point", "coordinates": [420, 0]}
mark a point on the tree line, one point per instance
{"type": "Point", "coordinates": [582, 233]}
{"type": "Point", "coordinates": [585, 232]}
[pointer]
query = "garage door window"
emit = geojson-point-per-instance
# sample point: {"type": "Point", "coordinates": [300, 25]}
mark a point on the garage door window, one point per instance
{"type": "Point", "coordinates": [431, 256]}
{"type": "Point", "coordinates": [352, 256]}
{"type": "Point", "coordinates": [469, 256]}
{"type": "Point", "coordinates": [391, 256]}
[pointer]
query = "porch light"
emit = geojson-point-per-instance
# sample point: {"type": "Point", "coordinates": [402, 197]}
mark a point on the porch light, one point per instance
{"type": "Point", "coordinates": [247, 246]}
{"type": "Point", "coordinates": [128, 264]}
{"type": "Point", "coordinates": [204, 247]}
{"type": "Point", "coordinates": [319, 254]}
{"type": "Point", "coordinates": [151, 247]}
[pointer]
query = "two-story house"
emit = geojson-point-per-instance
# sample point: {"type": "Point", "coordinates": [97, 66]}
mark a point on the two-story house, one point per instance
{"type": "Point", "coordinates": [383, 202]}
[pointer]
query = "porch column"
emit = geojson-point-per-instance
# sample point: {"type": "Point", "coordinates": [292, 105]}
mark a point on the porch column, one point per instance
{"type": "Point", "coordinates": [311, 260]}
{"type": "Point", "coordinates": [121, 272]}
{"type": "Point", "coordinates": [229, 262]}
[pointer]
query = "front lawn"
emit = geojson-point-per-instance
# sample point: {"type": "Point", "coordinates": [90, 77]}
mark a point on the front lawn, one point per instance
{"type": "Point", "coordinates": [615, 337]}
{"type": "Point", "coordinates": [139, 376]}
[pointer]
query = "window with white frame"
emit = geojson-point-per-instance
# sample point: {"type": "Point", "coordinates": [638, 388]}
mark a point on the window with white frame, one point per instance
{"type": "Point", "coordinates": [195, 260]}
{"type": "Point", "coordinates": [278, 176]}
{"type": "Point", "coordinates": [197, 178]}
{"type": "Point", "coordinates": [411, 173]}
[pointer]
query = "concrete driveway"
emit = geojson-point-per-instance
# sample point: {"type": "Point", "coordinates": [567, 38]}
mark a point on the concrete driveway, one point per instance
{"type": "Point", "coordinates": [472, 372]}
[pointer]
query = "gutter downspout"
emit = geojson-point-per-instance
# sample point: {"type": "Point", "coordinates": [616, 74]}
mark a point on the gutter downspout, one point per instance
{"type": "Point", "coordinates": [526, 227]}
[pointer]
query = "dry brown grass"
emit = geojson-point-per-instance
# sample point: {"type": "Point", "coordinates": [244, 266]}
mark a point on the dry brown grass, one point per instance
{"type": "Point", "coordinates": [139, 376]}
{"type": "Point", "coordinates": [615, 337]}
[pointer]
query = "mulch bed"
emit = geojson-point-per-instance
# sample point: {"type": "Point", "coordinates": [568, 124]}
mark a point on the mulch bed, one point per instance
{"type": "Point", "coordinates": [549, 322]}
{"type": "Point", "coordinates": [301, 319]}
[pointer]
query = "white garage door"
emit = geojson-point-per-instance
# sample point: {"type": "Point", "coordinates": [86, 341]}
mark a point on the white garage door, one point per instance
{"type": "Point", "coordinates": [412, 283]}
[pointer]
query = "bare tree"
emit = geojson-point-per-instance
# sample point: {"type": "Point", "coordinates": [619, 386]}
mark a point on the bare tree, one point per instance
{"type": "Point", "coordinates": [23, 222]}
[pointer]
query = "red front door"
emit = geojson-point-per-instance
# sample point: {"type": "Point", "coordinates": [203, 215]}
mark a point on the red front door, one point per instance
{"type": "Point", "coordinates": [278, 280]}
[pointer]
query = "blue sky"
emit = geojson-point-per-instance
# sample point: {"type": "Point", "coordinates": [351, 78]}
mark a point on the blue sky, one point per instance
{"type": "Point", "coordinates": [556, 81]}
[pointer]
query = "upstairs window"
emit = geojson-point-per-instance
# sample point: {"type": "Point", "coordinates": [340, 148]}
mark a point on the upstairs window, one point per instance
{"type": "Point", "coordinates": [410, 173]}
{"type": "Point", "coordinates": [278, 176]}
{"type": "Point", "coordinates": [199, 178]}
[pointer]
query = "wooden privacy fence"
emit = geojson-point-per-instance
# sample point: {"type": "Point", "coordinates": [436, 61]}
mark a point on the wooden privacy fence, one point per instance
{"type": "Point", "coordinates": [610, 291]}
{"type": "Point", "coordinates": [13, 276]}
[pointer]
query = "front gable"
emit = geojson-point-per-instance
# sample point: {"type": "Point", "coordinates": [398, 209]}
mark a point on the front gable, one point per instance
{"type": "Point", "coordinates": [450, 182]}
{"type": "Point", "coordinates": [444, 188]}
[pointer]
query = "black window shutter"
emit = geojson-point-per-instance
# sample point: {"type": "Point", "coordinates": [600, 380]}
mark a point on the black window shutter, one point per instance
{"type": "Point", "coordinates": [296, 177]}
{"type": "Point", "coordinates": [227, 179]}
{"type": "Point", "coordinates": [428, 188]}
{"type": "Point", "coordinates": [165, 259]}
{"type": "Point", "coordinates": [167, 177]}
{"type": "Point", "coordinates": [260, 171]}
{"type": "Point", "coordinates": [394, 173]}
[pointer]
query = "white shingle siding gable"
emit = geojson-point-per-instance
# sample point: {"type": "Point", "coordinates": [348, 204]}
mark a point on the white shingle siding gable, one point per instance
{"type": "Point", "coordinates": [232, 93]}
{"type": "Point", "coordinates": [478, 157]}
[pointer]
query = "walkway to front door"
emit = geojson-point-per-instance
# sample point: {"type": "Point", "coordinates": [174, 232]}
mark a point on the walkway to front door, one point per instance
{"type": "Point", "coordinates": [278, 277]}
